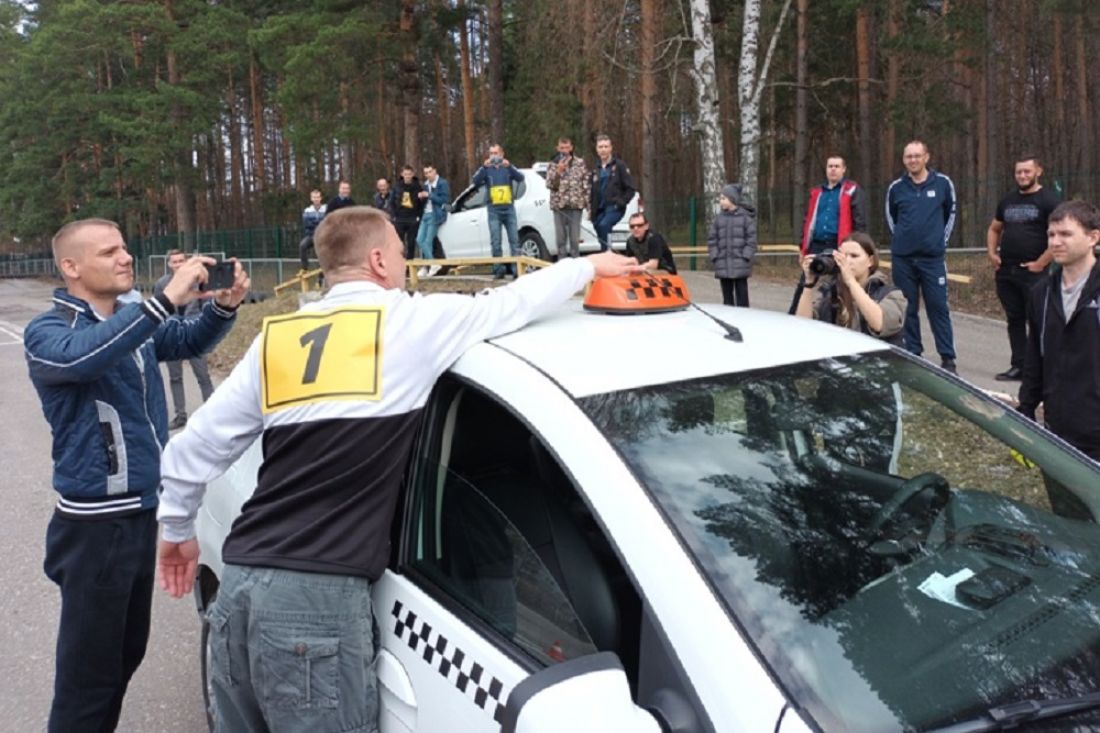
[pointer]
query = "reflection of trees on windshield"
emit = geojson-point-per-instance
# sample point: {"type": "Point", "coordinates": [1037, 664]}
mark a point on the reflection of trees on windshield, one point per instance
{"type": "Point", "coordinates": [777, 477]}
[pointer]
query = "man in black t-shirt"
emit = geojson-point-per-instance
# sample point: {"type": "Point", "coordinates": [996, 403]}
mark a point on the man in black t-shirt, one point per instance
{"type": "Point", "coordinates": [1017, 244]}
{"type": "Point", "coordinates": [648, 247]}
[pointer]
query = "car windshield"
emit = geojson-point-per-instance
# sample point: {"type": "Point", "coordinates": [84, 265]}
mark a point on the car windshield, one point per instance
{"type": "Point", "coordinates": [903, 552]}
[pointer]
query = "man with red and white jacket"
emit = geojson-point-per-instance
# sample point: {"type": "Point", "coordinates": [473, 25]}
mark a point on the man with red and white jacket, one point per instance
{"type": "Point", "coordinates": [836, 208]}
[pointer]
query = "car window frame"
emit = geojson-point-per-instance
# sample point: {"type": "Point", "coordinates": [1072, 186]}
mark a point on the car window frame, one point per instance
{"type": "Point", "coordinates": [427, 445]}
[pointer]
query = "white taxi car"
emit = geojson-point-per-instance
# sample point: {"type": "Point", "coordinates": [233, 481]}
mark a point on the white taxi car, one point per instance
{"type": "Point", "coordinates": [465, 233]}
{"type": "Point", "coordinates": [721, 519]}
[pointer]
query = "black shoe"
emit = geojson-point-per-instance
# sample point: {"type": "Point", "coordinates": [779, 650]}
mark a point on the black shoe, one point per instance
{"type": "Point", "coordinates": [177, 422]}
{"type": "Point", "coordinates": [948, 365]}
{"type": "Point", "coordinates": [1014, 374]}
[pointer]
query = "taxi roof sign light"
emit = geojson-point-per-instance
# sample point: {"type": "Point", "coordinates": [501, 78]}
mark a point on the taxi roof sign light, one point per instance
{"type": "Point", "coordinates": [635, 294]}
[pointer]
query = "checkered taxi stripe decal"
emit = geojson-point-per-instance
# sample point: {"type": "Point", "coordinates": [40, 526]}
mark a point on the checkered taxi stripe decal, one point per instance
{"type": "Point", "coordinates": [468, 676]}
{"type": "Point", "coordinates": [651, 286]}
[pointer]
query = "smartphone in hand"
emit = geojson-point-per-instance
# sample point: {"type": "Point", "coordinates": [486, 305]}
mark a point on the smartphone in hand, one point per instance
{"type": "Point", "coordinates": [220, 275]}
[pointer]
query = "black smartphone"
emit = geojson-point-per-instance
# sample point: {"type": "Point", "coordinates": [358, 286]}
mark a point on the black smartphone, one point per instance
{"type": "Point", "coordinates": [219, 276]}
{"type": "Point", "coordinates": [990, 586]}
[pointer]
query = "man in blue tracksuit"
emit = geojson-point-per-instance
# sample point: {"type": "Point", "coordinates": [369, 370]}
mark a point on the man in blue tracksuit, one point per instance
{"type": "Point", "coordinates": [93, 361]}
{"type": "Point", "coordinates": [920, 211]}
{"type": "Point", "coordinates": [497, 175]}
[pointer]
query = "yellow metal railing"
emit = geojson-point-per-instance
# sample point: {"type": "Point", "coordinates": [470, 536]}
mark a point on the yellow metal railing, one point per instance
{"type": "Point", "coordinates": [303, 280]}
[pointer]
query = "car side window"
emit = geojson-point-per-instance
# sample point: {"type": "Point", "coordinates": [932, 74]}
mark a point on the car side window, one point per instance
{"type": "Point", "coordinates": [472, 198]}
{"type": "Point", "coordinates": [490, 534]}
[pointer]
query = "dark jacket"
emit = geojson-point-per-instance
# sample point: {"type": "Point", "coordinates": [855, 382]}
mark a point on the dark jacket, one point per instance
{"type": "Point", "coordinates": [651, 247]}
{"type": "Point", "coordinates": [620, 187]}
{"type": "Point", "coordinates": [888, 297]}
{"type": "Point", "coordinates": [440, 197]}
{"type": "Point", "coordinates": [498, 179]}
{"type": "Point", "coordinates": [407, 204]}
{"type": "Point", "coordinates": [311, 218]}
{"type": "Point", "coordinates": [1062, 364]}
{"type": "Point", "coordinates": [336, 203]}
{"type": "Point", "coordinates": [922, 216]}
{"type": "Point", "coordinates": [385, 203]}
{"type": "Point", "coordinates": [102, 394]}
{"type": "Point", "coordinates": [731, 243]}
{"type": "Point", "coordinates": [851, 217]}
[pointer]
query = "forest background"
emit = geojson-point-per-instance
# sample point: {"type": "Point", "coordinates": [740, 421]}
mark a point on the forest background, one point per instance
{"type": "Point", "coordinates": [203, 115]}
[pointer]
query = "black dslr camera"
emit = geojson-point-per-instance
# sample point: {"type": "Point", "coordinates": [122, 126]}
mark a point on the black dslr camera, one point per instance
{"type": "Point", "coordinates": [824, 264]}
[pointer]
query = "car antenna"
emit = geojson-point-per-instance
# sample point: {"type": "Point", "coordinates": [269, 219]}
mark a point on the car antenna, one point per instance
{"type": "Point", "coordinates": [733, 333]}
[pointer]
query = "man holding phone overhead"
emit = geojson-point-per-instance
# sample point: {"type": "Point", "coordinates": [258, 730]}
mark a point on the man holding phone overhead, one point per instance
{"type": "Point", "coordinates": [497, 174]}
{"type": "Point", "coordinates": [176, 259]}
{"type": "Point", "coordinates": [93, 361]}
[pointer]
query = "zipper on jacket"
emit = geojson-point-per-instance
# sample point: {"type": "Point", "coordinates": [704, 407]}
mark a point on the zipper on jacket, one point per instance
{"type": "Point", "coordinates": [140, 361]}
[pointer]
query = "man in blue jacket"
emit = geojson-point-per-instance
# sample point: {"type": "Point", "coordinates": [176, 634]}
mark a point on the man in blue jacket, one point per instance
{"type": "Point", "coordinates": [497, 175]}
{"type": "Point", "coordinates": [436, 194]}
{"type": "Point", "coordinates": [93, 362]}
{"type": "Point", "coordinates": [920, 211]}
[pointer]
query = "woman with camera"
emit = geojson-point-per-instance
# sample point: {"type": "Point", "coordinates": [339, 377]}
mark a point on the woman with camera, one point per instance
{"type": "Point", "coordinates": [845, 288]}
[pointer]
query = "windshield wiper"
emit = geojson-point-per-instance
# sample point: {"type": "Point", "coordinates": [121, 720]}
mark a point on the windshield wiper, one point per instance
{"type": "Point", "coordinates": [1014, 714]}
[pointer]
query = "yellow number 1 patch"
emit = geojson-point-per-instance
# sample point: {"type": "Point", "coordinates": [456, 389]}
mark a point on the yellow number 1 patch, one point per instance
{"type": "Point", "coordinates": [323, 355]}
{"type": "Point", "coordinates": [500, 195]}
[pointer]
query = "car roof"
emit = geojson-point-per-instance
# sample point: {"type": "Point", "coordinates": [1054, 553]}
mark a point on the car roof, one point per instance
{"type": "Point", "coordinates": [590, 353]}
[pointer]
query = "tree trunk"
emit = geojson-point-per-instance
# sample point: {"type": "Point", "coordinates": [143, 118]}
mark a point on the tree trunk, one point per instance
{"type": "Point", "coordinates": [708, 125]}
{"type": "Point", "coordinates": [444, 103]}
{"type": "Point", "coordinates": [1083, 144]}
{"type": "Point", "coordinates": [863, 66]}
{"type": "Point", "coordinates": [236, 157]}
{"type": "Point", "coordinates": [650, 20]}
{"type": "Point", "coordinates": [992, 119]}
{"type": "Point", "coordinates": [259, 168]}
{"type": "Point", "coordinates": [467, 93]}
{"type": "Point", "coordinates": [801, 98]}
{"type": "Point", "coordinates": [496, 69]}
{"type": "Point", "coordinates": [1057, 68]}
{"type": "Point", "coordinates": [750, 85]}
{"type": "Point", "coordinates": [410, 83]}
{"type": "Point", "coordinates": [184, 186]}
{"type": "Point", "coordinates": [890, 153]}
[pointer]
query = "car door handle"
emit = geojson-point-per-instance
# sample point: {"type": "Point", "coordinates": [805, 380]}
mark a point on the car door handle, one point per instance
{"type": "Point", "coordinates": [391, 673]}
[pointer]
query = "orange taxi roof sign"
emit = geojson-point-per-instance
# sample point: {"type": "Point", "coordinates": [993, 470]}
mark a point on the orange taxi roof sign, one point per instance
{"type": "Point", "coordinates": [648, 293]}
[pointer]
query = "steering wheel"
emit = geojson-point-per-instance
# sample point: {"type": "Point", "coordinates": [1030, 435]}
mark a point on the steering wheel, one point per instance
{"type": "Point", "coordinates": [909, 490]}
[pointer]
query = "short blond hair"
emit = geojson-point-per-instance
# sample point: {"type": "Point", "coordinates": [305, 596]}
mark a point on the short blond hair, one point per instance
{"type": "Point", "coordinates": [346, 236]}
{"type": "Point", "coordinates": [68, 236]}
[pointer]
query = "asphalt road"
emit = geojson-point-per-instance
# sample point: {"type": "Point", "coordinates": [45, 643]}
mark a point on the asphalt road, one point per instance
{"type": "Point", "coordinates": [165, 694]}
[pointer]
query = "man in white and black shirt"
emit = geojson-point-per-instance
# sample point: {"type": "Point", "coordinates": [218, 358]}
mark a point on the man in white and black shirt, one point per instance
{"type": "Point", "coordinates": [335, 390]}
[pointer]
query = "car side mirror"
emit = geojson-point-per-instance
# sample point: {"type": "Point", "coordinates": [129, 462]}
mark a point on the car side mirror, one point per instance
{"type": "Point", "coordinates": [580, 695]}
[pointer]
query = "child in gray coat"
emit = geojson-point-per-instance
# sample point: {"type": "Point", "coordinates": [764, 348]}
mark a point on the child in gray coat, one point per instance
{"type": "Point", "coordinates": [731, 246]}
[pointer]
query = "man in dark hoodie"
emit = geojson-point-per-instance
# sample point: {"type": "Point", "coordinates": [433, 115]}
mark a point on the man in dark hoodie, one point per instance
{"type": "Point", "coordinates": [611, 191]}
{"type": "Point", "coordinates": [1062, 364]}
{"type": "Point", "coordinates": [342, 198]}
{"type": "Point", "coordinates": [497, 174]}
{"type": "Point", "coordinates": [408, 207]}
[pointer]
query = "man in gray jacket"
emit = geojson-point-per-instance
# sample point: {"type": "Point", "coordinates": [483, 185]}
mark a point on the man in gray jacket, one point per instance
{"type": "Point", "coordinates": [176, 258]}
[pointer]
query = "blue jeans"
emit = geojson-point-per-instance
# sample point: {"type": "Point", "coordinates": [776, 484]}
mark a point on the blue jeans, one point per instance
{"type": "Point", "coordinates": [292, 651]}
{"type": "Point", "coordinates": [926, 277]}
{"type": "Point", "coordinates": [506, 217]}
{"type": "Point", "coordinates": [425, 235]}
{"type": "Point", "coordinates": [604, 221]}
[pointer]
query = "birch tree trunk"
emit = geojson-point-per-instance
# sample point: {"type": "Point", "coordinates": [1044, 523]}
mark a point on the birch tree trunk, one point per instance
{"type": "Point", "coordinates": [801, 104]}
{"type": "Point", "coordinates": [750, 85]}
{"type": "Point", "coordinates": [708, 124]}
